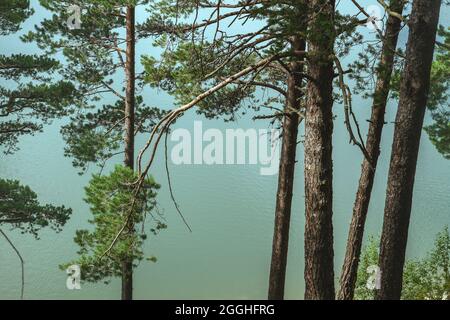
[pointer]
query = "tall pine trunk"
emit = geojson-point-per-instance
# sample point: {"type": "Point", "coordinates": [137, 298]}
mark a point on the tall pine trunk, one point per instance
{"type": "Point", "coordinates": [319, 272]}
{"type": "Point", "coordinates": [127, 265]}
{"type": "Point", "coordinates": [286, 177]}
{"type": "Point", "coordinates": [361, 206]}
{"type": "Point", "coordinates": [414, 90]}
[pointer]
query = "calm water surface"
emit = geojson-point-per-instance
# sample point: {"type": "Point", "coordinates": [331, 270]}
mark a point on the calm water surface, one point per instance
{"type": "Point", "coordinates": [230, 209]}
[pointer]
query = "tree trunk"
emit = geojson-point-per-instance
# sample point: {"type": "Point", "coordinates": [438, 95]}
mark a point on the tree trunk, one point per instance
{"type": "Point", "coordinates": [361, 206]}
{"type": "Point", "coordinates": [130, 89]}
{"type": "Point", "coordinates": [286, 178]}
{"type": "Point", "coordinates": [319, 273]}
{"type": "Point", "coordinates": [127, 266]}
{"type": "Point", "coordinates": [127, 280]}
{"type": "Point", "coordinates": [414, 90]}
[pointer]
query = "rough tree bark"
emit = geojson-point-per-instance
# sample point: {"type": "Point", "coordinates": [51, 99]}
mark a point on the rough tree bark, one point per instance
{"type": "Point", "coordinates": [319, 272]}
{"type": "Point", "coordinates": [286, 177]}
{"type": "Point", "coordinates": [366, 180]}
{"type": "Point", "coordinates": [127, 265]}
{"type": "Point", "coordinates": [414, 90]}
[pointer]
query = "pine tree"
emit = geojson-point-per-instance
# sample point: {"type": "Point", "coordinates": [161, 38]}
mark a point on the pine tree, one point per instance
{"type": "Point", "coordinates": [319, 253]}
{"type": "Point", "coordinates": [100, 61]}
{"type": "Point", "coordinates": [196, 63]}
{"type": "Point", "coordinates": [414, 89]}
{"type": "Point", "coordinates": [384, 72]}
{"type": "Point", "coordinates": [203, 58]}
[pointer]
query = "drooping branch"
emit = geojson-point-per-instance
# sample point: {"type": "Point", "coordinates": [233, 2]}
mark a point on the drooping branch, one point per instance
{"type": "Point", "coordinates": [169, 182]}
{"type": "Point", "coordinates": [164, 124]}
{"type": "Point", "coordinates": [22, 290]}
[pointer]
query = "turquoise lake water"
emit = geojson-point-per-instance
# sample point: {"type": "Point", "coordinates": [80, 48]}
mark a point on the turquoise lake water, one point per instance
{"type": "Point", "coordinates": [230, 209]}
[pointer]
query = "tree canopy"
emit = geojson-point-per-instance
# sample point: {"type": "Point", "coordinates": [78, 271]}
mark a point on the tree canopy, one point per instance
{"type": "Point", "coordinates": [94, 58]}
{"type": "Point", "coordinates": [29, 97]}
{"type": "Point", "coordinates": [20, 209]}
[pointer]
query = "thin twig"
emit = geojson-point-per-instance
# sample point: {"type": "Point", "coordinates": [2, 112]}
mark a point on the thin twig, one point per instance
{"type": "Point", "coordinates": [21, 263]}
{"type": "Point", "coordinates": [170, 186]}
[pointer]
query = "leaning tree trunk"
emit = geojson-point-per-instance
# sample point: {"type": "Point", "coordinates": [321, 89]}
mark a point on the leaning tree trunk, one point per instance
{"type": "Point", "coordinates": [286, 177]}
{"type": "Point", "coordinates": [319, 273]}
{"type": "Point", "coordinates": [127, 265]}
{"type": "Point", "coordinates": [361, 206]}
{"type": "Point", "coordinates": [414, 90]}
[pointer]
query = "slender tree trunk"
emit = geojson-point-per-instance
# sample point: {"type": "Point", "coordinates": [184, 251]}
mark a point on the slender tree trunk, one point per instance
{"type": "Point", "coordinates": [414, 90]}
{"type": "Point", "coordinates": [127, 266]}
{"type": "Point", "coordinates": [127, 280]}
{"type": "Point", "coordinates": [361, 206]}
{"type": "Point", "coordinates": [286, 178]}
{"type": "Point", "coordinates": [319, 272]}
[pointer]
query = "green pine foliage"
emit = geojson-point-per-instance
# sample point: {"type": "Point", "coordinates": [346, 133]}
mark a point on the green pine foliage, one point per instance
{"type": "Point", "coordinates": [439, 102]}
{"type": "Point", "coordinates": [112, 200]}
{"type": "Point", "coordinates": [29, 98]}
{"type": "Point", "coordinates": [20, 209]}
{"type": "Point", "coordinates": [94, 58]}
{"type": "Point", "coordinates": [194, 59]}
{"type": "Point", "coordinates": [12, 14]}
